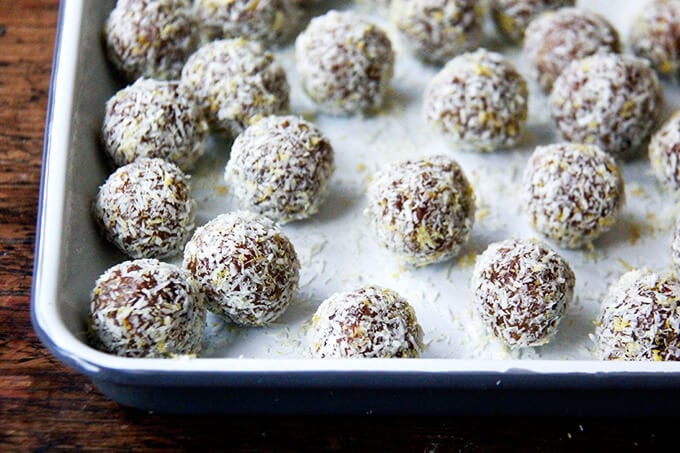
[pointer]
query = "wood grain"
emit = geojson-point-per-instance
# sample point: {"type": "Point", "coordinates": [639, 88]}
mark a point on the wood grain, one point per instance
{"type": "Point", "coordinates": [45, 406]}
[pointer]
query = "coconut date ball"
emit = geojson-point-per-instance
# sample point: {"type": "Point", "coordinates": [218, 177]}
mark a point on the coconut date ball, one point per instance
{"type": "Point", "coordinates": [664, 153]}
{"type": "Point", "coordinates": [245, 265]}
{"type": "Point", "coordinates": [573, 193]}
{"type": "Point", "coordinates": [146, 308]}
{"type": "Point", "coordinates": [438, 30]}
{"type": "Point", "coordinates": [366, 323]}
{"type": "Point", "coordinates": [521, 289]}
{"type": "Point", "coordinates": [345, 63]}
{"type": "Point", "coordinates": [150, 38]}
{"type": "Point", "coordinates": [267, 21]}
{"type": "Point", "coordinates": [555, 39]}
{"type": "Point", "coordinates": [479, 101]}
{"type": "Point", "coordinates": [655, 35]}
{"type": "Point", "coordinates": [280, 167]}
{"type": "Point", "coordinates": [145, 209]}
{"type": "Point", "coordinates": [236, 82]}
{"type": "Point", "coordinates": [640, 318]}
{"type": "Point", "coordinates": [154, 118]}
{"type": "Point", "coordinates": [423, 210]}
{"type": "Point", "coordinates": [609, 100]}
{"type": "Point", "coordinates": [513, 16]}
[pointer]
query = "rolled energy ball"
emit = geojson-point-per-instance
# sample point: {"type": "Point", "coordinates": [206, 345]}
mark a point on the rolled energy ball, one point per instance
{"type": "Point", "coordinates": [422, 210]}
{"type": "Point", "coordinates": [656, 35]}
{"type": "Point", "coordinates": [513, 16]}
{"type": "Point", "coordinates": [664, 153]}
{"type": "Point", "coordinates": [146, 308]}
{"type": "Point", "coordinates": [555, 39]}
{"type": "Point", "coordinates": [150, 38]}
{"type": "Point", "coordinates": [145, 209]}
{"type": "Point", "coordinates": [369, 322]}
{"type": "Point", "coordinates": [345, 63]}
{"type": "Point", "coordinates": [521, 289]}
{"type": "Point", "coordinates": [236, 82]}
{"type": "Point", "coordinates": [609, 100]}
{"type": "Point", "coordinates": [479, 101]}
{"type": "Point", "coordinates": [267, 21]}
{"type": "Point", "coordinates": [640, 318]}
{"type": "Point", "coordinates": [280, 167]}
{"type": "Point", "coordinates": [245, 265]}
{"type": "Point", "coordinates": [153, 118]}
{"type": "Point", "coordinates": [573, 193]}
{"type": "Point", "coordinates": [438, 30]}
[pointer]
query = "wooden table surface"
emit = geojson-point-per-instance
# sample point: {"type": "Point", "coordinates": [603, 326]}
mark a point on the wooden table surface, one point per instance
{"type": "Point", "coordinates": [45, 406]}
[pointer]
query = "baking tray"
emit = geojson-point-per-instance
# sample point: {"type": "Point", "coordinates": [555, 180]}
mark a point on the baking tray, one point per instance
{"type": "Point", "coordinates": [267, 370]}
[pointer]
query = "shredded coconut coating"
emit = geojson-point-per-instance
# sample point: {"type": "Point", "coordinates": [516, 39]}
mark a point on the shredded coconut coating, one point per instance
{"type": "Point", "coordinates": [573, 193]}
{"type": "Point", "coordinates": [280, 167]}
{"type": "Point", "coordinates": [154, 118]}
{"type": "Point", "coordinates": [150, 38]}
{"type": "Point", "coordinates": [521, 288]}
{"type": "Point", "coordinates": [371, 322]}
{"type": "Point", "coordinates": [555, 39]}
{"type": "Point", "coordinates": [609, 100]}
{"type": "Point", "coordinates": [438, 30]}
{"type": "Point", "coordinates": [245, 265]}
{"type": "Point", "coordinates": [479, 101]}
{"type": "Point", "coordinates": [345, 63]}
{"type": "Point", "coordinates": [513, 16]}
{"type": "Point", "coordinates": [236, 82]}
{"type": "Point", "coordinates": [655, 35]}
{"type": "Point", "coordinates": [664, 154]}
{"type": "Point", "coordinates": [640, 318]}
{"type": "Point", "coordinates": [146, 308]}
{"type": "Point", "coordinates": [422, 210]}
{"type": "Point", "coordinates": [145, 209]}
{"type": "Point", "coordinates": [267, 21]}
